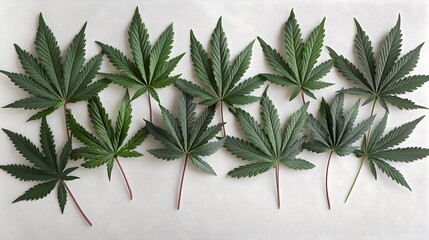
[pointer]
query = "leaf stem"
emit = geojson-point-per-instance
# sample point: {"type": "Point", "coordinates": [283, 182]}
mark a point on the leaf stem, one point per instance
{"type": "Point", "coordinates": [77, 204]}
{"type": "Point", "coordinates": [278, 185]}
{"type": "Point", "coordinates": [354, 181]}
{"type": "Point", "coordinates": [125, 178]}
{"type": "Point", "coordinates": [222, 119]}
{"type": "Point", "coordinates": [363, 158]}
{"type": "Point", "coordinates": [65, 120]}
{"type": "Point", "coordinates": [150, 106]}
{"type": "Point", "coordinates": [181, 182]}
{"type": "Point", "coordinates": [302, 97]}
{"type": "Point", "coordinates": [326, 180]}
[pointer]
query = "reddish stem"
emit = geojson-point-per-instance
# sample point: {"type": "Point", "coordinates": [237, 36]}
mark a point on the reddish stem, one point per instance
{"type": "Point", "coordinates": [278, 185]}
{"type": "Point", "coordinates": [125, 178]}
{"type": "Point", "coordinates": [181, 182]}
{"type": "Point", "coordinates": [150, 106]}
{"type": "Point", "coordinates": [222, 119]}
{"type": "Point", "coordinates": [302, 97]}
{"type": "Point", "coordinates": [65, 120]}
{"type": "Point", "coordinates": [77, 204]}
{"type": "Point", "coordinates": [326, 180]}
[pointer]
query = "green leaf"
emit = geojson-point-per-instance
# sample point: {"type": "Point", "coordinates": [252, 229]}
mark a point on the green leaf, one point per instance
{"type": "Point", "coordinates": [294, 44]}
{"type": "Point", "coordinates": [26, 173]}
{"type": "Point", "coordinates": [201, 124]}
{"type": "Point", "coordinates": [30, 85]}
{"type": "Point", "coordinates": [186, 118]}
{"type": "Point", "coordinates": [136, 140]}
{"type": "Point", "coordinates": [202, 65]}
{"type": "Point", "coordinates": [90, 91]}
{"type": "Point", "coordinates": [365, 53]}
{"type": "Point", "coordinates": [220, 78]}
{"type": "Point", "coordinates": [62, 196]}
{"type": "Point", "coordinates": [28, 150]}
{"type": "Point", "coordinates": [44, 166]}
{"type": "Point", "coordinates": [312, 49]}
{"type": "Point", "coordinates": [392, 172]}
{"type": "Point", "coordinates": [407, 84]}
{"type": "Point", "coordinates": [85, 76]}
{"type": "Point", "coordinates": [389, 52]}
{"type": "Point", "coordinates": [192, 89]}
{"type": "Point", "coordinates": [319, 72]}
{"type": "Point", "coordinates": [161, 51]}
{"type": "Point", "coordinates": [35, 71]}
{"type": "Point", "coordinates": [220, 57]}
{"type": "Point", "coordinates": [89, 153]}
{"type": "Point", "coordinates": [251, 169]}
{"type": "Point", "coordinates": [298, 164]}
{"type": "Point", "coordinates": [80, 133]}
{"type": "Point", "coordinates": [48, 144]}
{"type": "Point", "coordinates": [401, 103]}
{"type": "Point", "coordinates": [108, 144]}
{"type": "Point", "coordinates": [163, 136]}
{"type": "Point", "coordinates": [186, 135]}
{"type": "Point", "coordinates": [121, 80]}
{"type": "Point", "coordinates": [265, 144]}
{"type": "Point", "coordinates": [407, 155]}
{"type": "Point", "coordinates": [245, 150]}
{"type": "Point", "coordinates": [138, 37]}
{"type": "Point", "coordinates": [173, 127]}
{"type": "Point", "coordinates": [51, 82]}
{"type": "Point", "coordinates": [199, 163]}
{"type": "Point", "coordinates": [299, 71]}
{"type": "Point", "coordinates": [49, 54]}
{"type": "Point", "coordinates": [120, 61]}
{"type": "Point", "coordinates": [253, 131]}
{"type": "Point", "coordinates": [397, 135]}
{"type": "Point", "coordinates": [208, 148]}
{"type": "Point", "coordinates": [33, 103]}
{"type": "Point", "coordinates": [152, 65]}
{"type": "Point", "coordinates": [403, 66]}
{"type": "Point", "coordinates": [37, 192]}
{"type": "Point", "coordinates": [276, 61]}
{"type": "Point", "coordinates": [123, 120]}
{"type": "Point", "coordinates": [43, 113]}
{"type": "Point", "coordinates": [380, 148]}
{"type": "Point", "coordinates": [350, 71]}
{"type": "Point", "coordinates": [101, 122]}
{"type": "Point", "coordinates": [166, 153]}
{"type": "Point", "coordinates": [271, 123]}
{"type": "Point", "coordinates": [75, 58]}
{"type": "Point", "coordinates": [239, 66]}
{"type": "Point", "coordinates": [276, 79]}
{"type": "Point", "coordinates": [384, 79]}
{"type": "Point", "coordinates": [65, 155]}
{"type": "Point", "coordinates": [294, 128]}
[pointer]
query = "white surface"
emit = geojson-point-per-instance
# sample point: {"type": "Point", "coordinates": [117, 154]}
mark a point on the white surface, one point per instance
{"type": "Point", "coordinates": [215, 207]}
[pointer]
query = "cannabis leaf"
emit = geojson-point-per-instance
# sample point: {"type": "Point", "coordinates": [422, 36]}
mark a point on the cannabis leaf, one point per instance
{"type": "Point", "coordinates": [46, 167]}
{"type": "Point", "coordinates": [334, 131]}
{"type": "Point", "coordinates": [299, 70]}
{"type": "Point", "coordinates": [54, 83]}
{"type": "Point", "coordinates": [187, 136]}
{"type": "Point", "coordinates": [220, 77]}
{"type": "Point", "coordinates": [382, 81]}
{"type": "Point", "coordinates": [268, 146]}
{"type": "Point", "coordinates": [377, 149]}
{"type": "Point", "coordinates": [151, 68]}
{"type": "Point", "coordinates": [109, 145]}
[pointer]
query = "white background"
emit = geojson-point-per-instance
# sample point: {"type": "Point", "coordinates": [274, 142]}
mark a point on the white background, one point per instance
{"type": "Point", "coordinates": [215, 207]}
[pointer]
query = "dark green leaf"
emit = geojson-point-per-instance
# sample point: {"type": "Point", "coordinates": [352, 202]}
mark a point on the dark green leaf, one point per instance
{"type": "Point", "coordinates": [37, 192]}
{"type": "Point", "coordinates": [251, 169]}
{"type": "Point", "coordinates": [298, 164]}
